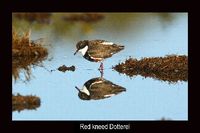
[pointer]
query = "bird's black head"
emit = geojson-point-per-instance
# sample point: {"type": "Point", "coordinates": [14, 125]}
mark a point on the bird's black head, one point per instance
{"type": "Point", "coordinates": [82, 95]}
{"type": "Point", "coordinates": [81, 45]}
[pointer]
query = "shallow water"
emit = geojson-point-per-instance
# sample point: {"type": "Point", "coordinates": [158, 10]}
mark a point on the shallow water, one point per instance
{"type": "Point", "coordinates": [142, 34]}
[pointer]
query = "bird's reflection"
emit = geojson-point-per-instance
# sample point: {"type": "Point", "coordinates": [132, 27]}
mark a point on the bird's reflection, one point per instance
{"type": "Point", "coordinates": [99, 88]}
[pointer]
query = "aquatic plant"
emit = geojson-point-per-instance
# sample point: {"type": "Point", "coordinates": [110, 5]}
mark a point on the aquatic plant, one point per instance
{"type": "Point", "coordinates": [171, 68]}
{"type": "Point", "coordinates": [24, 64]}
{"type": "Point", "coordinates": [64, 68]}
{"type": "Point", "coordinates": [20, 102]}
{"type": "Point", "coordinates": [26, 53]}
{"type": "Point", "coordinates": [23, 46]}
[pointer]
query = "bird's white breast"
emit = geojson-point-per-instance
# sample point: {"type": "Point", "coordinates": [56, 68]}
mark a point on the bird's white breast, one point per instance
{"type": "Point", "coordinates": [83, 50]}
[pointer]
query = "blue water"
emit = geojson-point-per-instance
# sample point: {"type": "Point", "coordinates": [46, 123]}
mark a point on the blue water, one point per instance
{"type": "Point", "coordinates": [143, 35]}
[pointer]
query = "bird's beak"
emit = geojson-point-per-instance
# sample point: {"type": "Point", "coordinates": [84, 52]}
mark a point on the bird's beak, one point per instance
{"type": "Point", "coordinates": [77, 88]}
{"type": "Point", "coordinates": [76, 52]}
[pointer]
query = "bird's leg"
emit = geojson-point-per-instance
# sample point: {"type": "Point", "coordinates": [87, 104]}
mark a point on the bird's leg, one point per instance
{"type": "Point", "coordinates": [101, 67]}
{"type": "Point", "coordinates": [101, 73]}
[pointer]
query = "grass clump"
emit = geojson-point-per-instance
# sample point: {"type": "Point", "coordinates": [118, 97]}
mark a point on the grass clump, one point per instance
{"type": "Point", "coordinates": [170, 68]}
{"type": "Point", "coordinates": [20, 102]}
{"type": "Point", "coordinates": [26, 53]}
{"type": "Point", "coordinates": [23, 46]}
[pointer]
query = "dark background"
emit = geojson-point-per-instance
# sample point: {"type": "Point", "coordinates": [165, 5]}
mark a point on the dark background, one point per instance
{"type": "Point", "coordinates": [6, 10]}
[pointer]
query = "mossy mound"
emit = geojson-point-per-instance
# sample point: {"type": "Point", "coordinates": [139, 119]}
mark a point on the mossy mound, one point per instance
{"type": "Point", "coordinates": [170, 68]}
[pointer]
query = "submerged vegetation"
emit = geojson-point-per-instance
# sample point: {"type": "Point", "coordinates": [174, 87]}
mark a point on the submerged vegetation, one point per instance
{"type": "Point", "coordinates": [20, 102]}
{"type": "Point", "coordinates": [170, 68]}
{"type": "Point", "coordinates": [64, 68]}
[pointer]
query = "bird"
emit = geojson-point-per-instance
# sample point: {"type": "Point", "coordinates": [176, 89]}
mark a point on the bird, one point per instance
{"type": "Point", "coordinates": [98, 88]}
{"type": "Point", "coordinates": [97, 50]}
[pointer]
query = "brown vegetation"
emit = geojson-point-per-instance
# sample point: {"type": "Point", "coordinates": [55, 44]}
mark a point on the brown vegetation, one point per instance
{"type": "Point", "coordinates": [170, 68]}
{"type": "Point", "coordinates": [31, 17]}
{"type": "Point", "coordinates": [25, 64]}
{"type": "Point", "coordinates": [84, 17]}
{"type": "Point", "coordinates": [23, 46]}
{"type": "Point", "coordinates": [64, 68]}
{"type": "Point", "coordinates": [25, 53]}
{"type": "Point", "coordinates": [20, 102]}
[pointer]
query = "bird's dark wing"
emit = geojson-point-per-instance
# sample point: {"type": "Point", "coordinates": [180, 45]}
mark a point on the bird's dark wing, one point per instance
{"type": "Point", "coordinates": [97, 50]}
{"type": "Point", "coordinates": [97, 41]}
{"type": "Point", "coordinates": [104, 88]}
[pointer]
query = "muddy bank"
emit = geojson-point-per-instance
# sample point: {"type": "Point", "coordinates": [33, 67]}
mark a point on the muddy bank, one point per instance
{"type": "Point", "coordinates": [170, 68]}
{"type": "Point", "coordinates": [34, 17]}
{"type": "Point", "coordinates": [20, 102]}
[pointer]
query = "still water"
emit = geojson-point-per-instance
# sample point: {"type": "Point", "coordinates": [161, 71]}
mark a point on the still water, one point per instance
{"type": "Point", "coordinates": [142, 34]}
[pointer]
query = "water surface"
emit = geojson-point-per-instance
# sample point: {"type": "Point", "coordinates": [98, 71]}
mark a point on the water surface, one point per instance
{"type": "Point", "coordinates": [142, 34]}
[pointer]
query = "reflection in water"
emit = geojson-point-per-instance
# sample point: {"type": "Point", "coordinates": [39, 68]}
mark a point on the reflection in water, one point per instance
{"type": "Point", "coordinates": [24, 64]}
{"type": "Point", "coordinates": [26, 52]}
{"type": "Point", "coordinates": [166, 119]}
{"type": "Point", "coordinates": [170, 68]}
{"type": "Point", "coordinates": [20, 102]}
{"type": "Point", "coordinates": [99, 88]}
